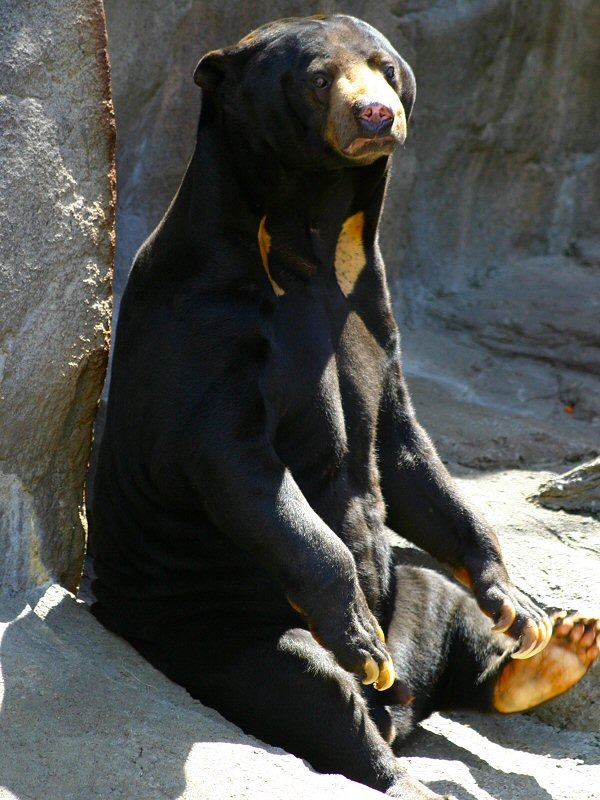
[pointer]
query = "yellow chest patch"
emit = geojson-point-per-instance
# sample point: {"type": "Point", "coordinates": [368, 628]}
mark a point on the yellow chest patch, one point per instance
{"type": "Point", "coordinates": [350, 256]}
{"type": "Point", "coordinates": [264, 244]}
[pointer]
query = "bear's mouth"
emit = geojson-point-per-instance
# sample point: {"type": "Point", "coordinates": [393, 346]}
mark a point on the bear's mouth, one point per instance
{"type": "Point", "coordinates": [374, 145]}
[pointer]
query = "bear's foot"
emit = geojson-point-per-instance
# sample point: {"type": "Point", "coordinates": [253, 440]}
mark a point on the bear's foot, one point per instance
{"type": "Point", "coordinates": [408, 788]}
{"type": "Point", "coordinates": [574, 645]}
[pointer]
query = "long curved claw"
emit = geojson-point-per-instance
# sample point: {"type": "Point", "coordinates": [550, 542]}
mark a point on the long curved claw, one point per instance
{"type": "Point", "coordinates": [545, 629]}
{"type": "Point", "coordinates": [387, 676]}
{"type": "Point", "coordinates": [507, 616]}
{"type": "Point", "coordinates": [529, 641]}
{"type": "Point", "coordinates": [540, 645]}
{"type": "Point", "coordinates": [371, 671]}
{"type": "Point", "coordinates": [381, 678]}
{"type": "Point", "coordinates": [380, 633]}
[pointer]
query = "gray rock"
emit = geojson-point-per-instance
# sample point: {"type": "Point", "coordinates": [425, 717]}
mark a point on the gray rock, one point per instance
{"type": "Point", "coordinates": [56, 246]}
{"type": "Point", "coordinates": [82, 715]}
{"type": "Point", "coordinates": [575, 490]}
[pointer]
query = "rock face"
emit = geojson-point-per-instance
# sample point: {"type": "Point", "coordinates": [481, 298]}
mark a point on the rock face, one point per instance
{"type": "Point", "coordinates": [502, 231]}
{"type": "Point", "coordinates": [56, 245]}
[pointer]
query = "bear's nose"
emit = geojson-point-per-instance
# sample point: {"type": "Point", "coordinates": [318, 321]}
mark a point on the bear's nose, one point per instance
{"type": "Point", "coordinates": [376, 118]}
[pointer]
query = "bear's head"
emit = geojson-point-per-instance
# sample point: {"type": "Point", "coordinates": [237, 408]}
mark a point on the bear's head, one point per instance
{"type": "Point", "coordinates": [318, 92]}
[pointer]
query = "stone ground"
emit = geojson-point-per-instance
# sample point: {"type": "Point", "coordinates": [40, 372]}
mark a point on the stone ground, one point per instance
{"type": "Point", "coordinates": [83, 716]}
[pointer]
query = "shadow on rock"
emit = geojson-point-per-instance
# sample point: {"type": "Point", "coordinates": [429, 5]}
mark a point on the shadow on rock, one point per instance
{"type": "Point", "coordinates": [477, 773]}
{"type": "Point", "coordinates": [82, 715]}
{"type": "Point", "coordinates": [77, 717]}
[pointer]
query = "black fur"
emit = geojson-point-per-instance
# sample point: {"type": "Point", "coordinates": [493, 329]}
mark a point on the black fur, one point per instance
{"type": "Point", "coordinates": [257, 445]}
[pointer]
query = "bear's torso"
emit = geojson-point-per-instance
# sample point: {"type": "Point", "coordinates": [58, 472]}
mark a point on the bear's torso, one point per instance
{"type": "Point", "coordinates": [330, 379]}
{"type": "Point", "coordinates": [318, 360]}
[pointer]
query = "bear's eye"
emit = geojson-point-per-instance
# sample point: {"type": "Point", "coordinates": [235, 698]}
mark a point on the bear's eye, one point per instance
{"type": "Point", "coordinates": [389, 72]}
{"type": "Point", "coordinates": [320, 81]}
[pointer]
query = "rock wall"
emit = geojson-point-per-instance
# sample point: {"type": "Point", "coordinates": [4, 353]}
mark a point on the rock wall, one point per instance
{"type": "Point", "coordinates": [492, 228]}
{"type": "Point", "coordinates": [56, 249]}
{"type": "Point", "coordinates": [503, 245]}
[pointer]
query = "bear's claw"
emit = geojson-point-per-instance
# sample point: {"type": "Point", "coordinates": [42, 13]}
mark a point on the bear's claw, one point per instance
{"type": "Point", "coordinates": [515, 614]}
{"type": "Point", "coordinates": [535, 638]}
{"type": "Point", "coordinates": [530, 640]}
{"type": "Point", "coordinates": [508, 614]}
{"type": "Point", "coordinates": [387, 676]}
{"type": "Point", "coordinates": [371, 671]}
{"type": "Point", "coordinates": [381, 678]}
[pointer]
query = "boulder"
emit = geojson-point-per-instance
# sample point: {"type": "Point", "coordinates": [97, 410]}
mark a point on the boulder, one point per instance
{"type": "Point", "coordinates": [575, 490]}
{"type": "Point", "coordinates": [56, 248]}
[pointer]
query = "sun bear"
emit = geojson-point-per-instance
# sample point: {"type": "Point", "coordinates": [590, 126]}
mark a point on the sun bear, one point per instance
{"type": "Point", "coordinates": [260, 441]}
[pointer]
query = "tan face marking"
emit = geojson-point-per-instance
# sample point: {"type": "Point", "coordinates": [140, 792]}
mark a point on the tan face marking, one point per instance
{"type": "Point", "coordinates": [350, 256]}
{"type": "Point", "coordinates": [264, 244]}
{"type": "Point", "coordinates": [362, 84]}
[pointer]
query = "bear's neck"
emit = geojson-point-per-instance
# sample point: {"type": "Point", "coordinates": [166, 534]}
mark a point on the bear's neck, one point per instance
{"type": "Point", "coordinates": [238, 199]}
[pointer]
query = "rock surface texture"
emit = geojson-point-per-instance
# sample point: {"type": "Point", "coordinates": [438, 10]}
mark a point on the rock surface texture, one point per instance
{"type": "Point", "coordinates": [56, 229]}
{"type": "Point", "coordinates": [575, 490]}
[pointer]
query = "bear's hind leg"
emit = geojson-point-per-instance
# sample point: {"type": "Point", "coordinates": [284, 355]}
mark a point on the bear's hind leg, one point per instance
{"type": "Point", "coordinates": [446, 653]}
{"type": "Point", "coordinates": [443, 648]}
{"type": "Point", "coordinates": [287, 690]}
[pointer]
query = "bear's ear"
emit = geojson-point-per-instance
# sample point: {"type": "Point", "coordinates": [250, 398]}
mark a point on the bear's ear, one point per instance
{"type": "Point", "coordinates": [211, 70]}
{"type": "Point", "coordinates": [217, 64]}
{"type": "Point", "coordinates": [409, 89]}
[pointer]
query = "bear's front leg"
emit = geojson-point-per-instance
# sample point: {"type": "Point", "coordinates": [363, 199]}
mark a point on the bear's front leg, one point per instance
{"type": "Point", "coordinates": [425, 507]}
{"type": "Point", "coordinates": [252, 498]}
